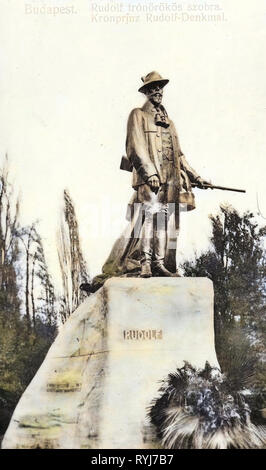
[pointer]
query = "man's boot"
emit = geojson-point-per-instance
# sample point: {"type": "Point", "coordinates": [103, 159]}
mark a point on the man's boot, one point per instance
{"type": "Point", "coordinates": [159, 253]}
{"type": "Point", "coordinates": [146, 247]}
{"type": "Point", "coordinates": [146, 269]}
{"type": "Point", "coordinates": [161, 271]}
{"type": "Point", "coordinates": [146, 259]}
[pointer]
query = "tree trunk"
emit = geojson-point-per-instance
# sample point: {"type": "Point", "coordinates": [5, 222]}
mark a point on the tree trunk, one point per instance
{"type": "Point", "coordinates": [32, 292]}
{"type": "Point", "coordinates": [27, 287]}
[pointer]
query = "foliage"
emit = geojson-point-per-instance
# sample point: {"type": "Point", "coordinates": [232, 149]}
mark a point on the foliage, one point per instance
{"type": "Point", "coordinates": [72, 263]}
{"type": "Point", "coordinates": [203, 408]}
{"type": "Point", "coordinates": [27, 322]}
{"type": "Point", "coordinates": [28, 302]}
{"type": "Point", "coordinates": [236, 264]}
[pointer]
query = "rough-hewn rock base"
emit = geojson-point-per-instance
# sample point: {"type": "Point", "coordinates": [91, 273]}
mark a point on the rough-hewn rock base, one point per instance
{"type": "Point", "coordinates": [99, 376]}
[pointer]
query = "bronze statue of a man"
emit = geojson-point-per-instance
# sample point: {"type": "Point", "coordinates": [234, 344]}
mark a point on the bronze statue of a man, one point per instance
{"type": "Point", "coordinates": [161, 179]}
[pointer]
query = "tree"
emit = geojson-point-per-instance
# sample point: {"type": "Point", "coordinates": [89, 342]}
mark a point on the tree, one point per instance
{"type": "Point", "coordinates": [37, 280]}
{"type": "Point", "coordinates": [9, 249]}
{"type": "Point", "coordinates": [72, 263]}
{"type": "Point", "coordinates": [22, 348]}
{"type": "Point", "coordinates": [27, 236]}
{"type": "Point", "coordinates": [236, 264]}
{"type": "Point", "coordinates": [47, 296]}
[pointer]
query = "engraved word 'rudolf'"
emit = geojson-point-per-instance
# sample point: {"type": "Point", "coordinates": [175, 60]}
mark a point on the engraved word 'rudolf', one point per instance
{"type": "Point", "coordinates": [142, 334]}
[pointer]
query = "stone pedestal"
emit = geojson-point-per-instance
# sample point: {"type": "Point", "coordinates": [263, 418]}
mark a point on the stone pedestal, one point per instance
{"type": "Point", "coordinates": [105, 367]}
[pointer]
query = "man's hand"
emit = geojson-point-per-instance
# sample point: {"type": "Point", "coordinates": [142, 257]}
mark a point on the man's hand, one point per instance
{"type": "Point", "coordinates": [154, 182]}
{"type": "Point", "coordinates": [203, 184]}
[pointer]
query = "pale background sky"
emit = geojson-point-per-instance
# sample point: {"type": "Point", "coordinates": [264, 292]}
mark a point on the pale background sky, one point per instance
{"type": "Point", "coordinates": [67, 86]}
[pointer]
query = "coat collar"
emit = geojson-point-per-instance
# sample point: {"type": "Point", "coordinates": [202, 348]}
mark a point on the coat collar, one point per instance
{"type": "Point", "coordinates": [158, 115]}
{"type": "Point", "coordinates": [148, 107]}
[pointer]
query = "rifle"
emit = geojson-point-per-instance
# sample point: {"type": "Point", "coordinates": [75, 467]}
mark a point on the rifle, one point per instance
{"type": "Point", "coordinates": [211, 186]}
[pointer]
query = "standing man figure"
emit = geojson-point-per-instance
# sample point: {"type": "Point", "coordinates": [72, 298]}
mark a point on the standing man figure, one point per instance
{"type": "Point", "coordinates": [161, 177]}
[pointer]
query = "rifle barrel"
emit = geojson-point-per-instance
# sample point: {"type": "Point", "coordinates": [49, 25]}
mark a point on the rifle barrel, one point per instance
{"type": "Point", "coordinates": [223, 188]}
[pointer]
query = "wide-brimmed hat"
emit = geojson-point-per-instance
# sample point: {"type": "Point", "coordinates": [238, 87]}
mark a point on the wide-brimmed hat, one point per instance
{"type": "Point", "coordinates": [152, 77]}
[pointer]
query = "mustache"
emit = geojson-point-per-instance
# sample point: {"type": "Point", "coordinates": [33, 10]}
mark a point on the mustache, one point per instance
{"type": "Point", "coordinates": [153, 93]}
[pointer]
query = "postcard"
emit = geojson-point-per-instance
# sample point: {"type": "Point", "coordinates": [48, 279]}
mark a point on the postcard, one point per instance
{"type": "Point", "coordinates": [132, 225]}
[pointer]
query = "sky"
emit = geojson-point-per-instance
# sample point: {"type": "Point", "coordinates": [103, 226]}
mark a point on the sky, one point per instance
{"type": "Point", "coordinates": [70, 71]}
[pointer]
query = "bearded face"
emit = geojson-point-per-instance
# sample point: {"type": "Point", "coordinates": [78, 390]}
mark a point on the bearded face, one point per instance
{"type": "Point", "coordinates": [155, 93]}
